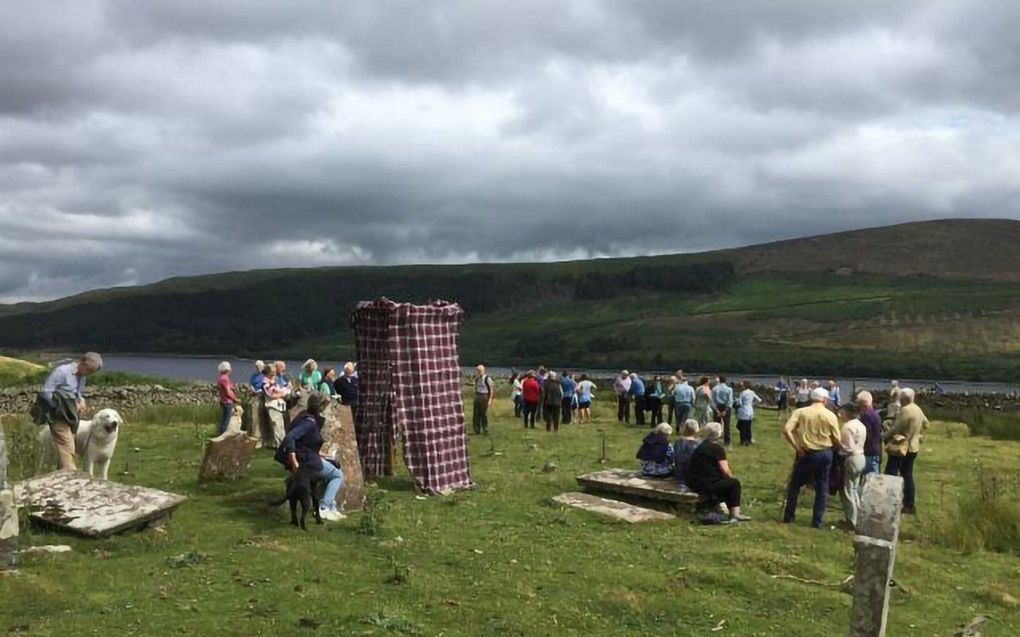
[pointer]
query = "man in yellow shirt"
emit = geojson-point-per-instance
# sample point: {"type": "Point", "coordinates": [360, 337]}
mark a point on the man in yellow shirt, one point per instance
{"type": "Point", "coordinates": [812, 431]}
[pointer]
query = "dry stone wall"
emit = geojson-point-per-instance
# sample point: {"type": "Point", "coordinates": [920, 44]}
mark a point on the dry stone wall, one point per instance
{"type": "Point", "coordinates": [18, 400]}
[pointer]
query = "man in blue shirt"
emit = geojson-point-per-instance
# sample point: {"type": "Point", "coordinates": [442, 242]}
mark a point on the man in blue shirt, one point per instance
{"type": "Point", "coordinates": [569, 387]}
{"type": "Point", "coordinates": [722, 404]}
{"type": "Point", "coordinates": [258, 379]}
{"type": "Point", "coordinates": [637, 394]}
{"type": "Point", "coordinates": [66, 385]}
{"type": "Point", "coordinates": [782, 395]}
{"type": "Point", "coordinates": [683, 394]}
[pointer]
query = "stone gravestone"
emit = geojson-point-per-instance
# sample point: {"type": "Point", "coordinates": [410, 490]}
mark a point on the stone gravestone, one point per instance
{"type": "Point", "coordinates": [227, 456]}
{"type": "Point", "coordinates": [8, 513]}
{"type": "Point", "coordinates": [878, 528]}
{"type": "Point", "coordinates": [340, 442]}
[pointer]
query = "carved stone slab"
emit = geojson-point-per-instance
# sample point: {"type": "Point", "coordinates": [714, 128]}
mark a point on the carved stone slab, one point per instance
{"type": "Point", "coordinates": [340, 441]}
{"type": "Point", "coordinates": [611, 508]}
{"type": "Point", "coordinates": [227, 456]}
{"type": "Point", "coordinates": [75, 502]}
{"type": "Point", "coordinates": [878, 529]}
{"type": "Point", "coordinates": [627, 482]}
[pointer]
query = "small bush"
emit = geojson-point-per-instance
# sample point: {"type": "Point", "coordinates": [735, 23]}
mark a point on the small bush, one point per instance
{"type": "Point", "coordinates": [986, 518]}
{"type": "Point", "coordinates": [23, 448]}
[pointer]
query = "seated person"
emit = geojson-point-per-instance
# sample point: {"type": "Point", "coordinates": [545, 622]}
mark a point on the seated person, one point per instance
{"type": "Point", "coordinates": [683, 448]}
{"type": "Point", "coordinates": [303, 446]}
{"type": "Point", "coordinates": [655, 454]}
{"type": "Point", "coordinates": [709, 473]}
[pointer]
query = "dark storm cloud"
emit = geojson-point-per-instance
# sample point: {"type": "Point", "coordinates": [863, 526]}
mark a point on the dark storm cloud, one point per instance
{"type": "Point", "coordinates": [145, 140]}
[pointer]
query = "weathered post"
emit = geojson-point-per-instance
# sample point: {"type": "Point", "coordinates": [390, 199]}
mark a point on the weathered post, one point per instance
{"type": "Point", "coordinates": [878, 528]}
{"type": "Point", "coordinates": [8, 513]}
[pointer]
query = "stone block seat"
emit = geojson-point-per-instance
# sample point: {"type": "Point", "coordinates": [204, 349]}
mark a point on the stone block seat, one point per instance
{"type": "Point", "coordinates": [615, 509]}
{"type": "Point", "coordinates": [631, 484]}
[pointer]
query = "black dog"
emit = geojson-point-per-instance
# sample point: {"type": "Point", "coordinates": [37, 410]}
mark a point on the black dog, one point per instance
{"type": "Point", "coordinates": [303, 487]}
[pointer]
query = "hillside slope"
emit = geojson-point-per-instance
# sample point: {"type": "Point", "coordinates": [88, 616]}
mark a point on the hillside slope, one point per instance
{"type": "Point", "coordinates": [935, 299]}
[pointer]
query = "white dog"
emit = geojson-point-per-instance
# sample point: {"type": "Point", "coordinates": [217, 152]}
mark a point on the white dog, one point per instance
{"type": "Point", "coordinates": [94, 443]}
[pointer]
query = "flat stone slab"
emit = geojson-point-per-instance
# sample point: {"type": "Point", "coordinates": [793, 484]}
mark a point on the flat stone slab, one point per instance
{"type": "Point", "coordinates": [227, 456]}
{"type": "Point", "coordinates": [611, 508]}
{"type": "Point", "coordinates": [628, 482]}
{"type": "Point", "coordinates": [76, 502]}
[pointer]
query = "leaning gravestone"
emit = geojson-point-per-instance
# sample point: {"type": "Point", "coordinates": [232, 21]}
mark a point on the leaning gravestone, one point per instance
{"type": "Point", "coordinates": [340, 442]}
{"type": "Point", "coordinates": [227, 456]}
{"type": "Point", "coordinates": [878, 528]}
{"type": "Point", "coordinates": [75, 501]}
{"type": "Point", "coordinates": [8, 514]}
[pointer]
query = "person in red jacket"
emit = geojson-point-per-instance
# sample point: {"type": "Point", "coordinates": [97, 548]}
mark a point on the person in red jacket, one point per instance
{"type": "Point", "coordinates": [530, 393]}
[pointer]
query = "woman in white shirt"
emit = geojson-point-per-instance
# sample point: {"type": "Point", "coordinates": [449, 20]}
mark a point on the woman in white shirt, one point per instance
{"type": "Point", "coordinates": [852, 435]}
{"type": "Point", "coordinates": [745, 413]}
{"type": "Point", "coordinates": [516, 393]}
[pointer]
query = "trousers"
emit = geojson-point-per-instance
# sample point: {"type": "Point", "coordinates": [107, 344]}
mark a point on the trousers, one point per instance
{"type": "Point", "coordinates": [904, 466]}
{"type": "Point", "coordinates": [812, 467]}
{"type": "Point", "coordinates": [480, 415]}
{"type": "Point", "coordinates": [551, 416]}
{"type": "Point", "coordinates": [63, 442]}
{"type": "Point", "coordinates": [850, 496]}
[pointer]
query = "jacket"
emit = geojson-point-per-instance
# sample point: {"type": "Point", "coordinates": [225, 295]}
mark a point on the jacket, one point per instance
{"type": "Point", "coordinates": [654, 448]}
{"type": "Point", "coordinates": [530, 390]}
{"type": "Point", "coordinates": [303, 439]}
{"type": "Point", "coordinates": [912, 423]}
{"type": "Point", "coordinates": [553, 392]}
{"type": "Point", "coordinates": [63, 409]}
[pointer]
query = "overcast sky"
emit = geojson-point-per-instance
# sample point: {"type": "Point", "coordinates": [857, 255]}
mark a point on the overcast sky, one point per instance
{"type": "Point", "coordinates": [141, 140]}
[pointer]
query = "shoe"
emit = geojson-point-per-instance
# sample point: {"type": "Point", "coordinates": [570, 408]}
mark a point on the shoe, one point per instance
{"type": "Point", "coordinates": [331, 515]}
{"type": "Point", "coordinates": [741, 518]}
{"type": "Point", "coordinates": [909, 511]}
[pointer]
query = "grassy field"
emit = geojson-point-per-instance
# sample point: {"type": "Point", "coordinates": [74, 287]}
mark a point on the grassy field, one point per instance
{"type": "Point", "coordinates": [500, 560]}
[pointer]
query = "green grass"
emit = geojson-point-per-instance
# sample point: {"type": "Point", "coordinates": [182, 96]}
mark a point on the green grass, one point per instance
{"type": "Point", "coordinates": [498, 560]}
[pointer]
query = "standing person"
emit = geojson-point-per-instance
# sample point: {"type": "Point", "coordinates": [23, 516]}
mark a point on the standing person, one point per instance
{"type": "Point", "coordinates": [873, 426]}
{"type": "Point", "coordinates": [703, 402]}
{"type": "Point", "coordinates": [812, 432]}
{"type": "Point", "coordinates": [803, 394]}
{"type": "Point", "coordinates": [515, 394]}
{"type": "Point", "coordinates": [782, 395]}
{"type": "Point", "coordinates": [904, 443]}
{"type": "Point", "coordinates": [326, 384]}
{"type": "Point", "coordinates": [622, 388]}
{"type": "Point", "coordinates": [670, 400]}
{"type": "Point", "coordinates": [585, 395]}
{"type": "Point", "coordinates": [531, 392]}
{"type": "Point", "coordinates": [892, 406]}
{"type": "Point", "coordinates": [61, 400]}
{"type": "Point", "coordinates": [568, 386]}
{"type": "Point", "coordinates": [483, 398]}
{"type": "Point", "coordinates": [257, 378]}
{"type": "Point", "coordinates": [683, 398]}
{"type": "Point", "coordinates": [310, 377]}
{"type": "Point", "coordinates": [722, 404]}
{"type": "Point", "coordinates": [347, 388]}
{"type": "Point", "coordinates": [552, 396]}
{"type": "Point", "coordinates": [637, 397]}
{"type": "Point", "coordinates": [276, 406]}
{"type": "Point", "coordinates": [281, 377]}
{"type": "Point", "coordinates": [227, 396]}
{"type": "Point", "coordinates": [834, 397]}
{"type": "Point", "coordinates": [745, 413]}
{"type": "Point", "coordinates": [303, 446]}
{"type": "Point", "coordinates": [654, 395]}
{"type": "Point", "coordinates": [709, 473]}
{"type": "Point", "coordinates": [851, 441]}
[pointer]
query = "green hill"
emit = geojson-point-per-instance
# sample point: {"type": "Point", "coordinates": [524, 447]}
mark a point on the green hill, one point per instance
{"type": "Point", "coordinates": [937, 299]}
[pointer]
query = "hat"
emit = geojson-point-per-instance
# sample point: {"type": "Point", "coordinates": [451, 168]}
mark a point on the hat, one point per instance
{"type": "Point", "coordinates": [819, 394]}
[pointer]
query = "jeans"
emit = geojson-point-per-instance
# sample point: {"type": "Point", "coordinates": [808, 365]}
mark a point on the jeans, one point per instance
{"type": "Point", "coordinates": [872, 464]}
{"type": "Point", "coordinates": [530, 412]}
{"type": "Point", "coordinates": [334, 479]}
{"type": "Point", "coordinates": [903, 466]}
{"type": "Point", "coordinates": [518, 406]}
{"type": "Point", "coordinates": [811, 467]}
{"type": "Point", "coordinates": [226, 411]}
{"type": "Point", "coordinates": [851, 493]}
{"type": "Point", "coordinates": [744, 427]}
{"type": "Point", "coordinates": [683, 412]}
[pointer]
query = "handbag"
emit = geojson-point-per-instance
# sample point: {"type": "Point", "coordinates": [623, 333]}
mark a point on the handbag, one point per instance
{"type": "Point", "coordinates": [897, 445]}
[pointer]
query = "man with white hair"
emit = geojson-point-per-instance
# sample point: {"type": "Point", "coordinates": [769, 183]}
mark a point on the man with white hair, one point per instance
{"type": "Point", "coordinates": [637, 396]}
{"type": "Point", "coordinates": [483, 398]}
{"type": "Point", "coordinates": [347, 387]}
{"type": "Point", "coordinates": [621, 386]}
{"type": "Point", "coordinates": [910, 425]}
{"type": "Point", "coordinates": [225, 390]}
{"type": "Point", "coordinates": [892, 407]}
{"type": "Point", "coordinates": [258, 379]}
{"type": "Point", "coordinates": [873, 425]}
{"type": "Point", "coordinates": [60, 402]}
{"type": "Point", "coordinates": [812, 432]}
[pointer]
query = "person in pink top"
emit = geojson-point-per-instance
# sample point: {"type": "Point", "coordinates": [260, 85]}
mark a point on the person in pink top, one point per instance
{"type": "Point", "coordinates": [225, 388]}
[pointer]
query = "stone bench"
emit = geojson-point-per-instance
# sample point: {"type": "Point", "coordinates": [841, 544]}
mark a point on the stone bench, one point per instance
{"type": "Point", "coordinates": [632, 483]}
{"type": "Point", "coordinates": [610, 508]}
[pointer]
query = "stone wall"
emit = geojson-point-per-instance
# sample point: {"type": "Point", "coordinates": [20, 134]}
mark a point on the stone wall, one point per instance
{"type": "Point", "coordinates": [18, 400]}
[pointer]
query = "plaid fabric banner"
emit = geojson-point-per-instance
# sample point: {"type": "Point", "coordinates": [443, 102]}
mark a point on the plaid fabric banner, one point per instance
{"type": "Point", "coordinates": [421, 399]}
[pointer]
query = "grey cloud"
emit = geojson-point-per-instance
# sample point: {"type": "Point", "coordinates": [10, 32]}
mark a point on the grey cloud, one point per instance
{"type": "Point", "coordinates": [145, 140]}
